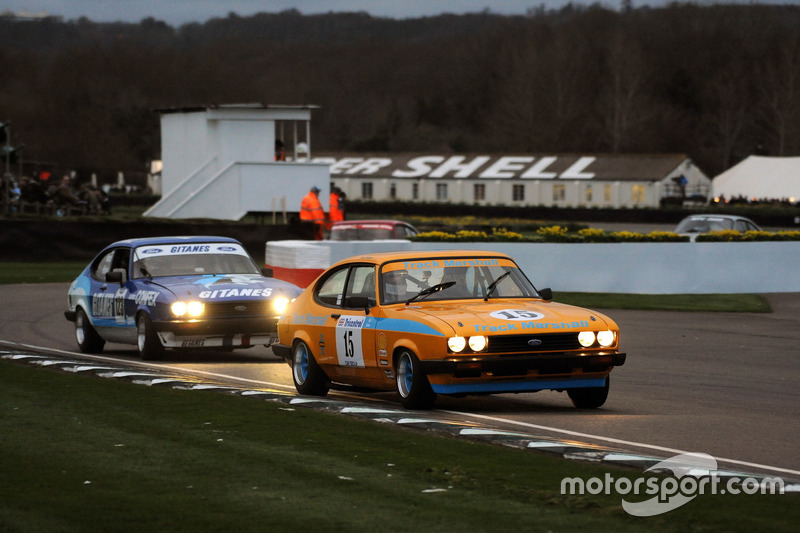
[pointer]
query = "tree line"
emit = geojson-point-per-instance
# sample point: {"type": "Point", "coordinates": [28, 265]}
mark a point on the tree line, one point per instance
{"type": "Point", "coordinates": [716, 82]}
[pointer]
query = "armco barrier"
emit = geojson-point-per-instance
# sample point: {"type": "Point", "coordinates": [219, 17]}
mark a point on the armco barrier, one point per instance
{"type": "Point", "coordinates": [636, 268]}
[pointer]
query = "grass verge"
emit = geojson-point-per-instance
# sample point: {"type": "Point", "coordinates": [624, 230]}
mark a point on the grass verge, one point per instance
{"type": "Point", "coordinates": [11, 272]}
{"type": "Point", "coordinates": [30, 272]}
{"type": "Point", "coordinates": [730, 303]}
{"type": "Point", "coordinates": [81, 453]}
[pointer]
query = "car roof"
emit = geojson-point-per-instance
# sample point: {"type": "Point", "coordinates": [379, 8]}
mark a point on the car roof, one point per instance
{"type": "Point", "coordinates": [385, 257]}
{"type": "Point", "coordinates": [145, 241]}
{"type": "Point", "coordinates": [714, 215]}
{"type": "Point", "coordinates": [364, 222]}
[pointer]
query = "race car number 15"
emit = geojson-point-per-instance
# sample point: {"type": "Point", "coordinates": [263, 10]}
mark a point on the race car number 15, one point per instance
{"type": "Point", "coordinates": [349, 351]}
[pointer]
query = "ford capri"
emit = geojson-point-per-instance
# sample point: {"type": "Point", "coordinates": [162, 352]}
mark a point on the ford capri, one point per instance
{"type": "Point", "coordinates": [185, 293]}
{"type": "Point", "coordinates": [450, 322]}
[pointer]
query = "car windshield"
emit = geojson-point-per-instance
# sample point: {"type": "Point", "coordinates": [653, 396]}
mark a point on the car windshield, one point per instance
{"type": "Point", "coordinates": [456, 278]}
{"type": "Point", "coordinates": [704, 225]}
{"type": "Point", "coordinates": [193, 259]}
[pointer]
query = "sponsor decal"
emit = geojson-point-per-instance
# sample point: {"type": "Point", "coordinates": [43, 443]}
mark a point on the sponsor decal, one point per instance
{"type": "Point", "coordinates": [349, 350]}
{"type": "Point", "coordinates": [382, 347]}
{"type": "Point", "coordinates": [109, 304]}
{"type": "Point", "coordinates": [237, 293]}
{"type": "Point", "coordinates": [309, 319]}
{"type": "Point", "coordinates": [147, 298]}
{"type": "Point", "coordinates": [190, 249]}
{"type": "Point", "coordinates": [516, 314]}
{"type": "Point", "coordinates": [193, 343]}
{"type": "Point", "coordinates": [582, 324]}
{"type": "Point", "coordinates": [438, 263]}
{"type": "Point", "coordinates": [199, 248]}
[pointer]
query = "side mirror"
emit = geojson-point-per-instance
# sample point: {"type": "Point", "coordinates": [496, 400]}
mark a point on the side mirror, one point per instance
{"type": "Point", "coordinates": [546, 294]}
{"type": "Point", "coordinates": [118, 275]}
{"type": "Point", "coordinates": [267, 273]}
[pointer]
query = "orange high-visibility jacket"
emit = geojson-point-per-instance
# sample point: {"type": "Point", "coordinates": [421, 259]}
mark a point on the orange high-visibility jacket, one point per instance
{"type": "Point", "coordinates": [311, 209]}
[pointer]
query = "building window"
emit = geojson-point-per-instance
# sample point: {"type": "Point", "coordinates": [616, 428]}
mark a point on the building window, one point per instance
{"type": "Point", "coordinates": [607, 194]}
{"type": "Point", "coordinates": [366, 190]}
{"type": "Point", "coordinates": [559, 193]}
{"type": "Point", "coordinates": [479, 191]}
{"type": "Point", "coordinates": [415, 191]}
{"type": "Point", "coordinates": [588, 194]}
{"type": "Point", "coordinates": [637, 194]}
{"type": "Point", "coordinates": [393, 191]}
{"type": "Point", "coordinates": [518, 193]}
{"type": "Point", "coordinates": [441, 191]}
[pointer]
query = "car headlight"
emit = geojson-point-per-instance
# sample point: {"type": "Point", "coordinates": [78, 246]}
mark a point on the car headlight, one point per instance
{"type": "Point", "coordinates": [606, 338]}
{"type": "Point", "coordinates": [477, 343]}
{"type": "Point", "coordinates": [456, 344]}
{"type": "Point", "coordinates": [193, 309]}
{"type": "Point", "coordinates": [586, 338]}
{"type": "Point", "coordinates": [279, 305]}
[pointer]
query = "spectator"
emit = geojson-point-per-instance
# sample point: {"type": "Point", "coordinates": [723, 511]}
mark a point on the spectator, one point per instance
{"type": "Point", "coordinates": [311, 211]}
{"type": "Point", "coordinates": [336, 213]}
{"type": "Point", "coordinates": [93, 198]}
{"type": "Point", "coordinates": [280, 150]}
{"type": "Point", "coordinates": [65, 195]}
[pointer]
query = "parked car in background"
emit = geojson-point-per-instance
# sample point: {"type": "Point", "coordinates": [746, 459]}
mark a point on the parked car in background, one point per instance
{"type": "Point", "coordinates": [453, 322]}
{"type": "Point", "coordinates": [186, 293]}
{"type": "Point", "coordinates": [371, 230]}
{"type": "Point", "coordinates": [694, 225]}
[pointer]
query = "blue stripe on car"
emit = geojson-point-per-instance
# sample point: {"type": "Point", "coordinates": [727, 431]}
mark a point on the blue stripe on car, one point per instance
{"type": "Point", "coordinates": [517, 386]}
{"type": "Point", "coordinates": [405, 326]}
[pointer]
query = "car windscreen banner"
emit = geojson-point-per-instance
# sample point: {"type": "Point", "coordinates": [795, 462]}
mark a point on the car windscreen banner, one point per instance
{"type": "Point", "coordinates": [190, 248]}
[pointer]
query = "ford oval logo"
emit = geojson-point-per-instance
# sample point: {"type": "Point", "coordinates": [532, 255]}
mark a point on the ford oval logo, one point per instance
{"type": "Point", "coordinates": [535, 342]}
{"type": "Point", "coordinates": [241, 308]}
{"type": "Point", "coordinates": [226, 248]}
{"type": "Point", "coordinates": [153, 251]}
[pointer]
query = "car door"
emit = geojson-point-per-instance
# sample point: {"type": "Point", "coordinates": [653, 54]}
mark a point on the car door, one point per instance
{"type": "Point", "coordinates": [347, 343]}
{"type": "Point", "coordinates": [107, 302]}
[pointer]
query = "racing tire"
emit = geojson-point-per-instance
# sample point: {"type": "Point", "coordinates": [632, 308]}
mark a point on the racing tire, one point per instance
{"type": "Point", "coordinates": [89, 341]}
{"type": "Point", "coordinates": [150, 347]}
{"type": "Point", "coordinates": [308, 376]}
{"type": "Point", "coordinates": [589, 397]}
{"type": "Point", "coordinates": [412, 384]}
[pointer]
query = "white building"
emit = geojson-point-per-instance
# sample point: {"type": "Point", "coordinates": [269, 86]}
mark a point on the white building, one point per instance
{"type": "Point", "coordinates": [220, 161]}
{"type": "Point", "coordinates": [610, 181]}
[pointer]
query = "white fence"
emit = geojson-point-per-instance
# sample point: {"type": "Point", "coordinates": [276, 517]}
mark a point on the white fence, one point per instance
{"type": "Point", "coordinates": [636, 268]}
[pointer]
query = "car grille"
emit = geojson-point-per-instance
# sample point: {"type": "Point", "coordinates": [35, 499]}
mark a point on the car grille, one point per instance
{"type": "Point", "coordinates": [551, 342]}
{"type": "Point", "coordinates": [241, 309]}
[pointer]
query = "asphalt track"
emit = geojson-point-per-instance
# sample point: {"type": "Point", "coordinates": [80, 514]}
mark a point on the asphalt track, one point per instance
{"type": "Point", "coordinates": [725, 384]}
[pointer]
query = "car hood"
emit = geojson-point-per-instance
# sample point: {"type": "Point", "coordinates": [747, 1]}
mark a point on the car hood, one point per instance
{"type": "Point", "coordinates": [227, 287]}
{"type": "Point", "coordinates": [504, 316]}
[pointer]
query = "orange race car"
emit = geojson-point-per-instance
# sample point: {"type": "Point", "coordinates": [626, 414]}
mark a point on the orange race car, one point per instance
{"type": "Point", "coordinates": [452, 322]}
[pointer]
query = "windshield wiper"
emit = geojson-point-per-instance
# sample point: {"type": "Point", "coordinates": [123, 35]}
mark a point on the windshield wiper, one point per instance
{"type": "Point", "coordinates": [430, 290]}
{"type": "Point", "coordinates": [490, 289]}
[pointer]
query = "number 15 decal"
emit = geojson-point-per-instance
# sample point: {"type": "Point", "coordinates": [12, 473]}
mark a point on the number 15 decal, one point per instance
{"type": "Point", "coordinates": [349, 350]}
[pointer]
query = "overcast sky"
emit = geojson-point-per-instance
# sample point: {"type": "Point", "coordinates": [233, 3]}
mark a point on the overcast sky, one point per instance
{"type": "Point", "coordinates": [177, 12]}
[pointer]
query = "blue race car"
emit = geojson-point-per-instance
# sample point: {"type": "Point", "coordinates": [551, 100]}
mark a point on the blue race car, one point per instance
{"type": "Point", "coordinates": [176, 292]}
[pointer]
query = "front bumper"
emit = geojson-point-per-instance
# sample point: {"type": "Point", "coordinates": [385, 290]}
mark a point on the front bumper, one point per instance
{"type": "Point", "coordinates": [282, 350]}
{"type": "Point", "coordinates": [520, 373]}
{"type": "Point", "coordinates": [522, 365]}
{"type": "Point", "coordinates": [218, 326]}
{"type": "Point", "coordinates": [233, 333]}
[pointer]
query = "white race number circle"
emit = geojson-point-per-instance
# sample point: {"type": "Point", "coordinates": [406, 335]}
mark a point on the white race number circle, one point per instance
{"type": "Point", "coordinates": [349, 350]}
